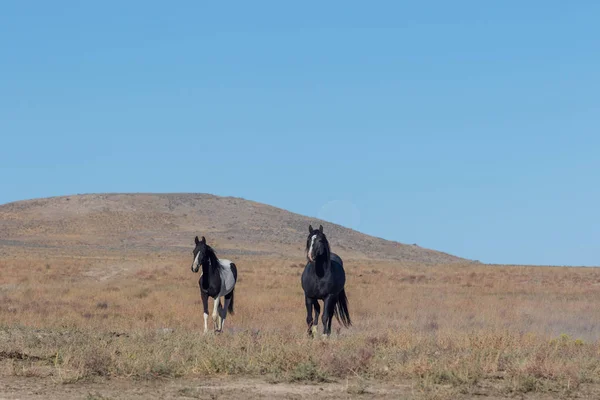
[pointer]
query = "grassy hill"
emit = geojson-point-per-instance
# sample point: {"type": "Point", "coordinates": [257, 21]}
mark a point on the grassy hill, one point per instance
{"type": "Point", "coordinates": [95, 223]}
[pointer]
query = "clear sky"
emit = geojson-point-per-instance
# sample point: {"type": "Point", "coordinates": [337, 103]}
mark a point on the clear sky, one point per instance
{"type": "Point", "coordinates": [469, 127]}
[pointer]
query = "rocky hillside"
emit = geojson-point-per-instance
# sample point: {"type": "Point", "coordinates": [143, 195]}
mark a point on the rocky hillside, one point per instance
{"type": "Point", "coordinates": [99, 223]}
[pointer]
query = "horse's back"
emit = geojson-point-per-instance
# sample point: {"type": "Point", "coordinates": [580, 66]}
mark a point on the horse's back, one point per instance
{"type": "Point", "coordinates": [337, 271]}
{"type": "Point", "coordinates": [337, 259]}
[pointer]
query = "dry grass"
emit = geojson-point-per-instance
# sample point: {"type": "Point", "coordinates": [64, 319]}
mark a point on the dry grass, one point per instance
{"type": "Point", "coordinates": [459, 328]}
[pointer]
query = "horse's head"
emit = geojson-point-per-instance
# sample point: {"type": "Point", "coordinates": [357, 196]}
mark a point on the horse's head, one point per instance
{"type": "Point", "coordinates": [200, 253]}
{"type": "Point", "coordinates": [316, 244]}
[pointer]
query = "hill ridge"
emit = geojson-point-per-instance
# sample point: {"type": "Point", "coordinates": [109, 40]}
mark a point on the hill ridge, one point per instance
{"type": "Point", "coordinates": [169, 221]}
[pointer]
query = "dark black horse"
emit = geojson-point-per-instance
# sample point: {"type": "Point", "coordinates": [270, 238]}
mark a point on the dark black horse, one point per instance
{"type": "Point", "coordinates": [217, 280]}
{"type": "Point", "coordinates": [323, 279]}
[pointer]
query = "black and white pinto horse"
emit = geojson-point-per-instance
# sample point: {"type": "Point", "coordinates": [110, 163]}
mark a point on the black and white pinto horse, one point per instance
{"type": "Point", "coordinates": [217, 280]}
{"type": "Point", "coordinates": [323, 279]}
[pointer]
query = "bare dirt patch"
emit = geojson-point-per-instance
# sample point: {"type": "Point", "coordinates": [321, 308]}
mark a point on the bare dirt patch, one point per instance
{"type": "Point", "coordinates": [236, 388]}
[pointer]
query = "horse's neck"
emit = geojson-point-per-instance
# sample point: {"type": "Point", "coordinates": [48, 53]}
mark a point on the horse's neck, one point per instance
{"type": "Point", "coordinates": [211, 266]}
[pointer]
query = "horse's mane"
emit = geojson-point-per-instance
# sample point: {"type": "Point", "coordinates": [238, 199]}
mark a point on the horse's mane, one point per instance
{"type": "Point", "coordinates": [327, 250]}
{"type": "Point", "coordinates": [212, 256]}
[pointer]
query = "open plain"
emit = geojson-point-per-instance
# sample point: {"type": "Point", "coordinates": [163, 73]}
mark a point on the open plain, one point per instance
{"type": "Point", "coordinates": [97, 301]}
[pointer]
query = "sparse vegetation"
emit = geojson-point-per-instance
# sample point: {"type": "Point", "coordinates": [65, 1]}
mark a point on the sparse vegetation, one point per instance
{"type": "Point", "coordinates": [513, 326]}
{"type": "Point", "coordinates": [448, 330]}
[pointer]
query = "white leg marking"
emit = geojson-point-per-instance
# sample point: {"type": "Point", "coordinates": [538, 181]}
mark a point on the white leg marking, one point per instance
{"type": "Point", "coordinates": [205, 322]}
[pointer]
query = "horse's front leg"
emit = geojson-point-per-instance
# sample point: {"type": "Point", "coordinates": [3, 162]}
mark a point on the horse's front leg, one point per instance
{"type": "Point", "coordinates": [309, 315]}
{"type": "Point", "coordinates": [204, 297]}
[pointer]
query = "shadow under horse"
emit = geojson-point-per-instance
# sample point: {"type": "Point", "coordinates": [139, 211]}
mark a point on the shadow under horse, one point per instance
{"type": "Point", "coordinates": [324, 279]}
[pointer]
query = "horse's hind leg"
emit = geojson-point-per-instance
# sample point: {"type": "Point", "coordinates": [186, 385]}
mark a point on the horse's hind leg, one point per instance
{"type": "Point", "coordinates": [215, 314]}
{"type": "Point", "coordinates": [220, 317]}
{"type": "Point", "coordinates": [223, 310]}
{"type": "Point", "coordinates": [328, 311]}
{"type": "Point", "coordinates": [331, 313]}
{"type": "Point", "coordinates": [309, 315]}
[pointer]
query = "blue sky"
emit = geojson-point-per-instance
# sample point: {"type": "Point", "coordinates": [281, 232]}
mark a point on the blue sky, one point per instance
{"type": "Point", "coordinates": [469, 127]}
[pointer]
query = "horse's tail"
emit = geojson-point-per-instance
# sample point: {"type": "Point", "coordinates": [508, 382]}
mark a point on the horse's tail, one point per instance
{"type": "Point", "coordinates": [341, 309]}
{"type": "Point", "coordinates": [230, 308]}
{"type": "Point", "coordinates": [233, 268]}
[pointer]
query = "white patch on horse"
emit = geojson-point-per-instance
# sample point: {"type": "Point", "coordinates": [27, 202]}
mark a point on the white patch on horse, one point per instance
{"type": "Point", "coordinates": [205, 322]}
{"type": "Point", "coordinates": [312, 241]}
{"type": "Point", "coordinates": [196, 261]}
{"type": "Point", "coordinates": [227, 280]}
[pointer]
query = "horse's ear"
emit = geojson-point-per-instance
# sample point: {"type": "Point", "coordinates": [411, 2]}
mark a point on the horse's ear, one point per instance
{"type": "Point", "coordinates": [310, 229]}
{"type": "Point", "coordinates": [196, 240]}
{"type": "Point", "coordinates": [321, 228]}
{"type": "Point", "coordinates": [203, 240]}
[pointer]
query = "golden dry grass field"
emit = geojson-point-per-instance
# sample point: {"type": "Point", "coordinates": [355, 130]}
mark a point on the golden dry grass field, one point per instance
{"type": "Point", "coordinates": [97, 301]}
{"type": "Point", "coordinates": [129, 325]}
